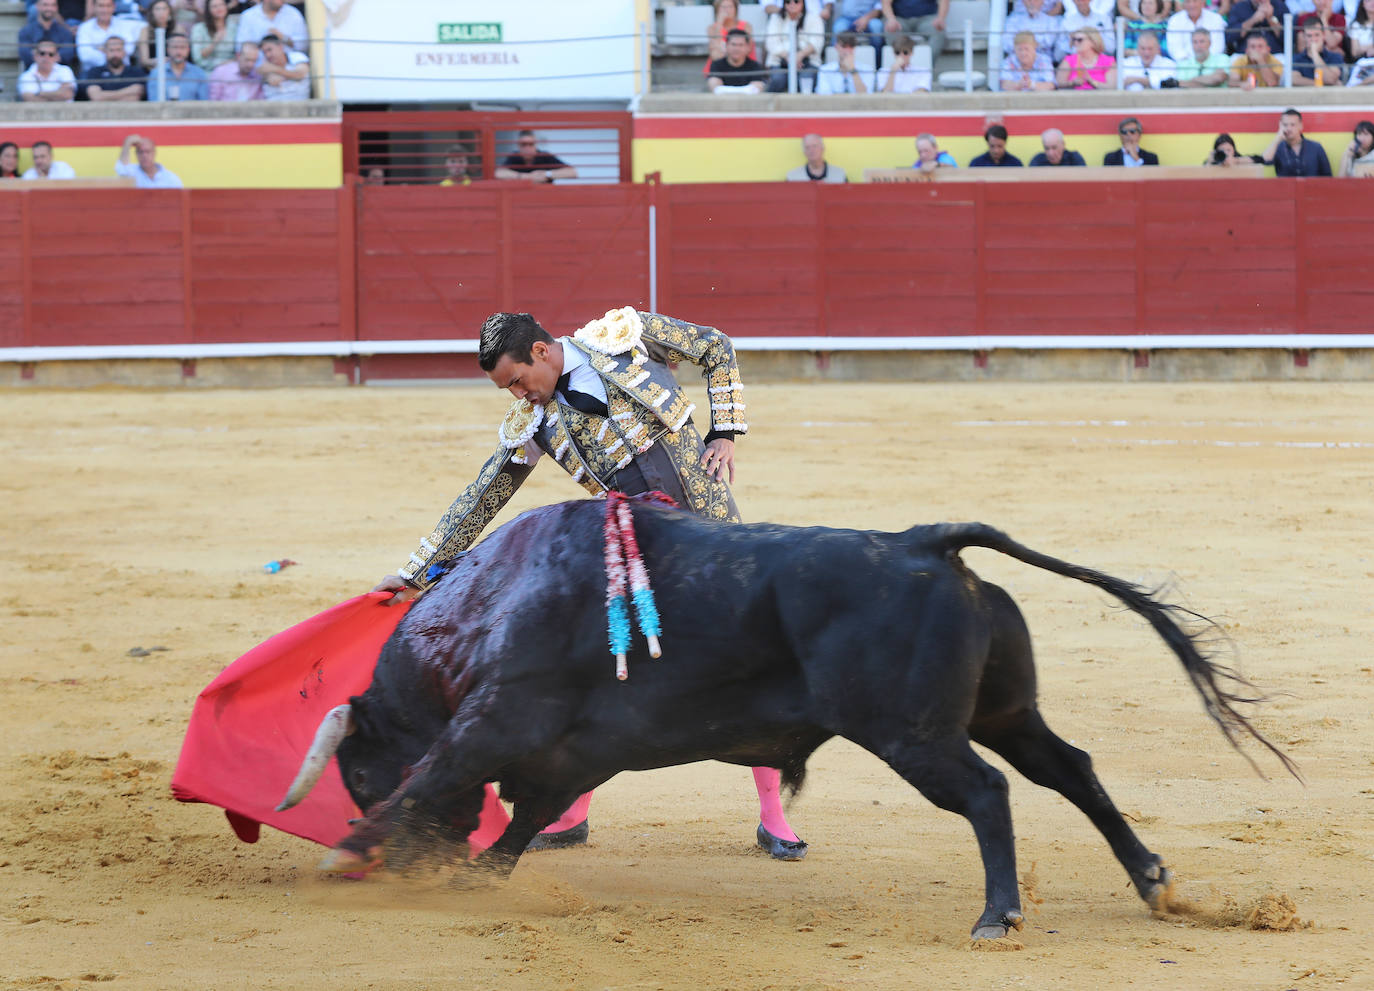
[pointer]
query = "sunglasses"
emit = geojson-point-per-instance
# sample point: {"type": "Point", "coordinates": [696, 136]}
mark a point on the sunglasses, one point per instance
{"type": "Point", "coordinates": [1130, 130]}
{"type": "Point", "coordinates": [1078, 37]}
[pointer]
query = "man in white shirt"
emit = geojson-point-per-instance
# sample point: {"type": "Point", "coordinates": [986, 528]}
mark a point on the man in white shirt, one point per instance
{"type": "Point", "coordinates": [274, 17]}
{"type": "Point", "coordinates": [285, 73]}
{"type": "Point", "coordinates": [841, 75]}
{"type": "Point", "coordinates": [1147, 68]}
{"type": "Point", "coordinates": [47, 80]}
{"type": "Point", "coordinates": [147, 172]}
{"type": "Point", "coordinates": [91, 35]}
{"type": "Point", "coordinates": [1182, 25]}
{"type": "Point", "coordinates": [44, 167]}
{"type": "Point", "coordinates": [901, 76]}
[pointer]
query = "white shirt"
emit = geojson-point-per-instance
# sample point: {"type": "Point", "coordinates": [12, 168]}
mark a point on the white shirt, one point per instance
{"type": "Point", "coordinates": [57, 170]}
{"type": "Point", "coordinates": [90, 40]}
{"type": "Point", "coordinates": [582, 376]}
{"type": "Point", "coordinates": [831, 80]}
{"type": "Point", "coordinates": [909, 80]}
{"type": "Point", "coordinates": [163, 179]}
{"type": "Point", "coordinates": [287, 89]}
{"type": "Point", "coordinates": [289, 25]}
{"type": "Point", "coordinates": [1181, 27]}
{"type": "Point", "coordinates": [1073, 20]}
{"type": "Point", "coordinates": [31, 82]}
{"type": "Point", "coordinates": [1160, 69]}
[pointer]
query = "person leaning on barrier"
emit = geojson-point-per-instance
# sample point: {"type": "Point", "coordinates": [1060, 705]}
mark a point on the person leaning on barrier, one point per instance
{"type": "Point", "coordinates": [1313, 57]}
{"type": "Point", "coordinates": [1258, 67]}
{"type": "Point", "coordinates": [118, 79]}
{"type": "Point", "coordinates": [901, 76]}
{"type": "Point", "coordinates": [456, 167]}
{"type": "Point", "coordinates": [1054, 153]}
{"type": "Point", "coordinates": [532, 164]}
{"type": "Point", "coordinates": [816, 168]}
{"type": "Point", "coordinates": [1148, 68]}
{"type": "Point", "coordinates": [1224, 154]}
{"type": "Point", "coordinates": [1203, 67]}
{"type": "Point", "coordinates": [1027, 68]}
{"type": "Point", "coordinates": [285, 71]}
{"type": "Point", "coordinates": [1291, 154]}
{"type": "Point", "coordinates": [1089, 67]}
{"type": "Point", "coordinates": [794, 27]}
{"type": "Point", "coordinates": [47, 80]}
{"type": "Point", "coordinates": [736, 72]}
{"type": "Point", "coordinates": [929, 157]}
{"type": "Point", "coordinates": [997, 155]}
{"type": "Point", "coordinates": [45, 166]}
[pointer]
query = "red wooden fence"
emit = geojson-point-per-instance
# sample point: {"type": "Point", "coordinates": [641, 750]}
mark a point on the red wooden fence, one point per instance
{"type": "Point", "coordinates": [93, 267]}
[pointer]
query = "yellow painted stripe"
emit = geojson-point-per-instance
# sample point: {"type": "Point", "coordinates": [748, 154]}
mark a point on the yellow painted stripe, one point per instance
{"type": "Point", "coordinates": [284, 166]}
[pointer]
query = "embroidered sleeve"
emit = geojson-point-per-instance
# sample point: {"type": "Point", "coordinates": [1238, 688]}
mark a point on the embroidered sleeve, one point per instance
{"type": "Point", "coordinates": [470, 514]}
{"type": "Point", "coordinates": [712, 351]}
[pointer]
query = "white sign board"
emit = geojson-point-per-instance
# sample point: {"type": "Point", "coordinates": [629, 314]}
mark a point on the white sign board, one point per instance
{"type": "Point", "coordinates": [428, 50]}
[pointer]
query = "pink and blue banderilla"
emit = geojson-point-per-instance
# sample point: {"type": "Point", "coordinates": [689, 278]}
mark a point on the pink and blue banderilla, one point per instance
{"type": "Point", "coordinates": [627, 582]}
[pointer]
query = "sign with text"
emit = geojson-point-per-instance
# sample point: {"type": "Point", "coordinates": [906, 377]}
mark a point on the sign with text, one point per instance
{"type": "Point", "coordinates": [432, 50]}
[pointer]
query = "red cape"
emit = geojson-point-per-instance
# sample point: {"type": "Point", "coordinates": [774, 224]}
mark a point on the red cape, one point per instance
{"type": "Point", "coordinates": [252, 726]}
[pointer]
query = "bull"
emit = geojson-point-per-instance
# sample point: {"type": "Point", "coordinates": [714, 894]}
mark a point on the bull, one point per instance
{"type": "Point", "coordinates": [775, 639]}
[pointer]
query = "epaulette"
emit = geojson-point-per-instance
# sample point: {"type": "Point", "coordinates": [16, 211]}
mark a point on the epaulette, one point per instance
{"type": "Point", "coordinates": [615, 333]}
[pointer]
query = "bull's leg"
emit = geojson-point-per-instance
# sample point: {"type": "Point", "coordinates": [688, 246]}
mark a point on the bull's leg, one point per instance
{"type": "Point", "coordinates": [527, 818]}
{"type": "Point", "coordinates": [1032, 748]}
{"type": "Point", "coordinates": [952, 776]}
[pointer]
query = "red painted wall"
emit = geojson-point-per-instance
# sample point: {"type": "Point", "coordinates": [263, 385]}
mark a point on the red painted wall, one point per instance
{"type": "Point", "coordinates": [91, 266]}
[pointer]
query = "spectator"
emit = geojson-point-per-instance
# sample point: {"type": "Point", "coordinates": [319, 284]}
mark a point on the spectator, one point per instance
{"type": "Point", "coordinates": [456, 167]}
{"type": "Point", "coordinates": [91, 35]}
{"type": "Point", "coordinates": [727, 19]}
{"type": "Point", "coordinates": [185, 80]}
{"type": "Point", "coordinates": [285, 71]}
{"type": "Point", "coordinates": [1256, 15]}
{"type": "Point", "coordinates": [1337, 43]}
{"type": "Point", "coordinates": [159, 16]}
{"type": "Point", "coordinates": [238, 81]}
{"type": "Point", "coordinates": [1054, 153]}
{"type": "Point", "coordinates": [1130, 154]}
{"type": "Point", "coordinates": [816, 168]}
{"type": "Point", "coordinates": [1147, 68]}
{"type": "Point", "coordinates": [46, 26]}
{"type": "Point", "coordinates": [736, 72]}
{"type": "Point", "coordinates": [274, 17]}
{"type": "Point", "coordinates": [841, 75]}
{"type": "Point", "coordinates": [901, 76]}
{"type": "Point", "coordinates": [795, 26]}
{"type": "Point", "coordinates": [116, 79]}
{"type": "Point", "coordinates": [1313, 56]}
{"type": "Point", "coordinates": [374, 175]}
{"type": "Point", "coordinates": [1037, 22]}
{"type": "Point", "coordinates": [1258, 66]}
{"type": "Point", "coordinates": [147, 172]}
{"type": "Point", "coordinates": [1322, 11]}
{"type": "Point", "coordinates": [1153, 15]}
{"type": "Point", "coordinates": [1082, 14]}
{"type": "Point", "coordinates": [213, 36]}
{"type": "Point", "coordinates": [47, 80]}
{"type": "Point", "coordinates": [861, 17]}
{"type": "Point", "coordinates": [1224, 153]}
{"type": "Point", "coordinates": [929, 157]}
{"type": "Point", "coordinates": [9, 160]}
{"type": "Point", "coordinates": [1293, 155]}
{"type": "Point", "coordinates": [186, 14]}
{"type": "Point", "coordinates": [44, 166]}
{"type": "Point", "coordinates": [69, 12]}
{"type": "Point", "coordinates": [996, 156]}
{"type": "Point", "coordinates": [532, 164]}
{"type": "Point", "coordinates": [1360, 152]}
{"type": "Point", "coordinates": [1088, 67]}
{"type": "Point", "coordinates": [1362, 31]}
{"type": "Point", "coordinates": [924, 17]}
{"type": "Point", "coordinates": [1026, 68]}
{"type": "Point", "coordinates": [1203, 67]}
{"type": "Point", "coordinates": [1193, 16]}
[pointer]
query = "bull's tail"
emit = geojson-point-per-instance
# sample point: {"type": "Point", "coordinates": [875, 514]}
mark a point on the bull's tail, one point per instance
{"type": "Point", "coordinates": [1223, 689]}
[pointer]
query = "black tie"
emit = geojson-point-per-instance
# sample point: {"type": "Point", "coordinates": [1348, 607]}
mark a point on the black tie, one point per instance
{"type": "Point", "coordinates": [580, 400]}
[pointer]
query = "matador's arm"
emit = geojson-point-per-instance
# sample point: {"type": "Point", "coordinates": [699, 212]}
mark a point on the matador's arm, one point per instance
{"type": "Point", "coordinates": [459, 528]}
{"type": "Point", "coordinates": [672, 340]}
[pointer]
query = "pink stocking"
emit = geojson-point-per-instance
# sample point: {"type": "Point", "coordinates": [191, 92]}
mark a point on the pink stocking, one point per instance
{"type": "Point", "coordinates": [576, 813]}
{"type": "Point", "coordinates": [768, 781]}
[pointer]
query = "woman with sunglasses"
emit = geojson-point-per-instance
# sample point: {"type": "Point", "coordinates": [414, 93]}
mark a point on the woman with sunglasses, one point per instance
{"type": "Point", "coordinates": [1088, 66]}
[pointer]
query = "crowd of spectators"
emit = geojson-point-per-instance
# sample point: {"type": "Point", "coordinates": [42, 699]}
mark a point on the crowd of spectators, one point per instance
{"type": "Point", "coordinates": [1073, 44]}
{"type": "Point", "coordinates": [145, 169]}
{"type": "Point", "coordinates": [106, 50]}
{"type": "Point", "coordinates": [1290, 153]}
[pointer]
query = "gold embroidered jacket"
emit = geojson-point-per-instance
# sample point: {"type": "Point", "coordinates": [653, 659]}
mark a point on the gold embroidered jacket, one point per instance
{"type": "Point", "coordinates": [646, 407]}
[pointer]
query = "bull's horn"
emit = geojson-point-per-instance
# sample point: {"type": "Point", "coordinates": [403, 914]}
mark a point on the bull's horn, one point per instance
{"type": "Point", "coordinates": [336, 725]}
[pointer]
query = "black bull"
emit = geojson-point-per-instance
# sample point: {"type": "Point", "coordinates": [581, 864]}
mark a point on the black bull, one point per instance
{"type": "Point", "coordinates": [775, 639]}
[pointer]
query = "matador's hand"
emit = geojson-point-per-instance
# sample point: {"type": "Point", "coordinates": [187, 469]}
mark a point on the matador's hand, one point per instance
{"type": "Point", "coordinates": [402, 591]}
{"type": "Point", "coordinates": [719, 459]}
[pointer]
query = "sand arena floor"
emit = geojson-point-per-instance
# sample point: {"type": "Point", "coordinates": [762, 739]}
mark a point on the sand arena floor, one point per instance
{"type": "Point", "coordinates": [142, 519]}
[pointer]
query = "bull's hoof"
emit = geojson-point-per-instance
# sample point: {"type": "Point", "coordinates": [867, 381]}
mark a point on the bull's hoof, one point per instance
{"type": "Point", "coordinates": [341, 861]}
{"type": "Point", "coordinates": [780, 849]}
{"type": "Point", "coordinates": [1156, 890]}
{"type": "Point", "coordinates": [561, 840]}
{"type": "Point", "coordinates": [996, 934]}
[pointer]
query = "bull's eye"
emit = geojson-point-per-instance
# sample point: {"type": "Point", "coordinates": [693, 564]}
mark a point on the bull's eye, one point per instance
{"type": "Point", "coordinates": [359, 778]}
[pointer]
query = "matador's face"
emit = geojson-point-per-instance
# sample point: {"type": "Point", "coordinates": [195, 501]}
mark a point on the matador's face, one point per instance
{"type": "Point", "coordinates": [534, 380]}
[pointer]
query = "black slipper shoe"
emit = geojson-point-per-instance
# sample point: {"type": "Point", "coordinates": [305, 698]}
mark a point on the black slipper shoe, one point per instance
{"type": "Point", "coordinates": [574, 836]}
{"type": "Point", "coordinates": [780, 849]}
